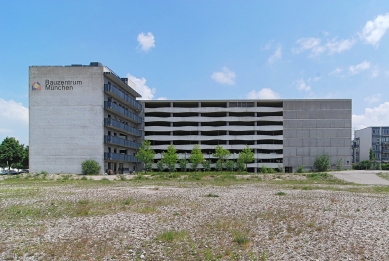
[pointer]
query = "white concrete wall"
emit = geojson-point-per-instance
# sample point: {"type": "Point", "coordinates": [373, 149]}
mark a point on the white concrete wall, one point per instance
{"type": "Point", "coordinates": [365, 142]}
{"type": "Point", "coordinates": [66, 126]}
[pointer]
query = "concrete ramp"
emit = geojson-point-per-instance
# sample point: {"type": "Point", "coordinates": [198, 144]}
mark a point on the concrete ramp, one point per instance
{"type": "Point", "coordinates": [362, 176]}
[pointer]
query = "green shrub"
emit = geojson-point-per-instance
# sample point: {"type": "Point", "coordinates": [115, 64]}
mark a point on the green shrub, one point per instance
{"type": "Point", "coordinates": [219, 165]}
{"type": "Point", "coordinates": [90, 167]}
{"type": "Point", "coordinates": [300, 169]}
{"type": "Point", "coordinates": [183, 164]}
{"type": "Point", "coordinates": [322, 163]}
{"type": "Point", "coordinates": [280, 167]}
{"type": "Point", "coordinates": [207, 165]}
{"type": "Point", "coordinates": [240, 166]}
{"type": "Point", "coordinates": [263, 169]}
{"type": "Point", "coordinates": [160, 166]}
{"type": "Point", "coordinates": [230, 165]}
{"type": "Point", "coordinates": [270, 170]}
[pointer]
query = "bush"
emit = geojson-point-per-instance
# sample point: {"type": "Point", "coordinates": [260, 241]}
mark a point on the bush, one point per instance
{"type": "Point", "coordinates": [160, 166]}
{"type": "Point", "coordinates": [207, 165]}
{"type": "Point", "coordinates": [322, 163]}
{"type": "Point", "coordinates": [300, 169]}
{"type": "Point", "coordinates": [230, 165]}
{"type": "Point", "coordinates": [263, 169]}
{"type": "Point", "coordinates": [219, 165]}
{"type": "Point", "coordinates": [280, 167]}
{"type": "Point", "coordinates": [183, 164]}
{"type": "Point", "coordinates": [240, 166]}
{"type": "Point", "coordinates": [90, 167]}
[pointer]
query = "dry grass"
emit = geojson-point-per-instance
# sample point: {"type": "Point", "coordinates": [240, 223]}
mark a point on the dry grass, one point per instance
{"type": "Point", "coordinates": [211, 219]}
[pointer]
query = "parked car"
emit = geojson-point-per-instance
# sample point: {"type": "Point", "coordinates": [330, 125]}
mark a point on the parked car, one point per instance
{"type": "Point", "coordinates": [24, 171]}
{"type": "Point", "coordinates": [10, 172]}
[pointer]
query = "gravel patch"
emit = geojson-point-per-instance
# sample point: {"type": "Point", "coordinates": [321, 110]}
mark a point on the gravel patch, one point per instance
{"type": "Point", "coordinates": [245, 222]}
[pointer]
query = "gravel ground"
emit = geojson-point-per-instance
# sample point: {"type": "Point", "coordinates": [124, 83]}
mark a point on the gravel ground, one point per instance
{"type": "Point", "coordinates": [241, 222]}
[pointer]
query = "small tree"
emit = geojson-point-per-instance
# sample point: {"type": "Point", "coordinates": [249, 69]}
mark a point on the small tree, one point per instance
{"type": "Point", "coordinates": [160, 165]}
{"type": "Point", "coordinates": [183, 163]}
{"type": "Point", "coordinates": [11, 152]}
{"type": "Point", "coordinates": [240, 166]}
{"type": "Point", "coordinates": [230, 165]}
{"type": "Point", "coordinates": [90, 167]}
{"type": "Point", "coordinates": [322, 163]}
{"type": "Point", "coordinates": [263, 169]}
{"type": "Point", "coordinates": [196, 157]}
{"type": "Point", "coordinates": [221, 154]}
{"type": "Point", "coordinates": [372, 157]}
{"type": "Point", "coordinates": [146, 154]}
{"type": "Point", "coordinates": [170, 158]}
{"type": "Point", "coordinates": [246, 155]}
{"type": "Point", "coordinates": [23, 163]}
{"type": "Point", "coordinates": [207, 165]}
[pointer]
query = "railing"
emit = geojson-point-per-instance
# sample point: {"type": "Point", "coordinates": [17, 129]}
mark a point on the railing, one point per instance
{"type": "Point", "coordinates": [120, 157]}
{"type": "Point", "coordinates": [111, 122]}
{"type": "Point", "coordinates": [122, 95]}
{"type": "Point", "coordinates": [128, 114]}
{"type": "Point", "coordinates": [122, 142]}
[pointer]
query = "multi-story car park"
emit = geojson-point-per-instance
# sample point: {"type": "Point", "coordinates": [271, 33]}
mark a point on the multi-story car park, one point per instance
{"type": "Point", "coordinates": [375, 138]}
{"type": "Point", "coordinates": [287, 132]}
{"type": "Point", "coordinates": [81, 112]}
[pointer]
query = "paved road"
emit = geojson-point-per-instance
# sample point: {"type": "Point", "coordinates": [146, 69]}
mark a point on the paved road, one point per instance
{"type": "Point", "coordinates": [362, 176]}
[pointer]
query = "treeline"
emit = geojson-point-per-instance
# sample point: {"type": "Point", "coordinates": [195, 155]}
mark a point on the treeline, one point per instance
{"type": "Point", "coordinates": [13, 154]}
{"type": "Point", "coordinates": [170, 159]}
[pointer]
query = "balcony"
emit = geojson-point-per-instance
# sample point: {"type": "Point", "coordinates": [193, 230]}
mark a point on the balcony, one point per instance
{"type": "Point", "coordinates": [121, 126]}
{"type": "Point", "coordinates": [117, 93]}
{"type": "Point", "coordinates": [123, 112]}
{"type": "Point", "coordinates": [121, 142]}
{"type": "Point", "coordinates": [120, 157]}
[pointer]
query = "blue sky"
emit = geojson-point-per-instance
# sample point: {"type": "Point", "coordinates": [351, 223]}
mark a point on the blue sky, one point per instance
{"type": "Point", "coordinates": [204, 50]}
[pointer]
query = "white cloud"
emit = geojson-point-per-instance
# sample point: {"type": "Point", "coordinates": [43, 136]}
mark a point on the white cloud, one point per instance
{"type": "Point", "coordinates": [375, 72]}
{"type": "Point", "coordinates": [162, 98]}
{"type": "Point", "coordinates": [14, 120]}
{"type": "Point", "coordinates": [378, 116]}
{"type": "Point", "coordinates": [359, 67]}
{"type": "Point", "coordinates": [302, 86]}
{"type": "Point", "coordinates": [269, 45]}
{"type": "Point", "coordinates": [331, 47]}
{"type": "Point", "coordinates": [336, 71]}
{"type": "Point", "coordinates": [373, 98]}
{"type": "Point", "coordinates": [277, 55]}
{"type": "Point", "coordinates": [312, 44]}
{"type": "Point", "coordinates": [226, 76]}
{"type": "Point", "coordinates": [141, 87]}
{"type": "Point", "coordinates": [339, 46]}
{"type": "Point", "coordinates": [13, 111]}
{"type": "Point", "coordinates": [375, 29]}
{"type": "Point", "coordinates": [146, 41]}
{"type": "Point", "coordinates": [265, 93]}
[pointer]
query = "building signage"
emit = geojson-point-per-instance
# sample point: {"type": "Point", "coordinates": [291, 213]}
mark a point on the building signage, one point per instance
{"type": "Point", "coordinates": [55, 85]}
{"type": "Point", "coordinates": [60, 85]}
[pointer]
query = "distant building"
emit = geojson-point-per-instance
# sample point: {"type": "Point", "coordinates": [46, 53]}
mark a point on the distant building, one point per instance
{"type": "Point", "coordinates": [375, 138]}
{"type": "Point", "coordinates": [81, 112]}
{"type": "Point", "coordinates": [290, 133]}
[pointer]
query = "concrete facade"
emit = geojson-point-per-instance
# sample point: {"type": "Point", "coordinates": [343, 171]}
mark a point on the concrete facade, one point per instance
{"type": "Point", "coordinates": [290, 133]}
{"type": "Point", "coordinates": [375, 138]}
{"type": "Point", "coordinates": [316, 127]}
{"type": "Point", "coordinates": [82, 112]}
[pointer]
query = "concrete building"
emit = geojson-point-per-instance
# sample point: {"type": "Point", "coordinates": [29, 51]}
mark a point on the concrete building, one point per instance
{"type": "Point", "coordinates": [81, 112]}
{"type": "Point", "coordinates": [287, 132]}
{"type": "Point", "coordinates": [375, 138]}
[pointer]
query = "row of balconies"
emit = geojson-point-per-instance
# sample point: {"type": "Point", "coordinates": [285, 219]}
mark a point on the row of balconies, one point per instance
{"type": "Point", "coordinates": [117, 93]}
{"type": "Point", "coordinates": [121, 142]}
{"type": "Point", "coordinates": [109, 105]}
{"type": "Point", "coordinates": [120, 157]}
